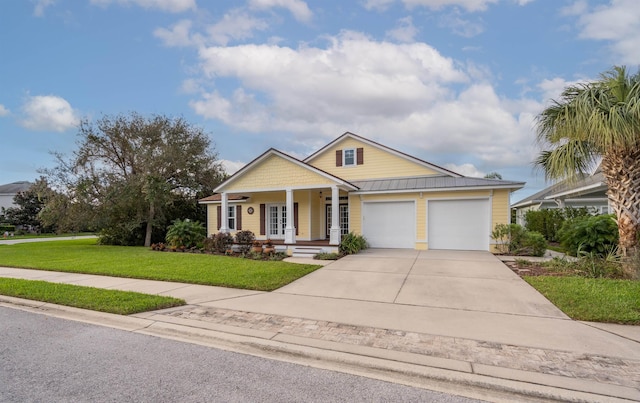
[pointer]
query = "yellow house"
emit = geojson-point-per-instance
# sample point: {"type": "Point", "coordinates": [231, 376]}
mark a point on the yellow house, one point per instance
{"type": "Point", "coordinates": [393, 199]}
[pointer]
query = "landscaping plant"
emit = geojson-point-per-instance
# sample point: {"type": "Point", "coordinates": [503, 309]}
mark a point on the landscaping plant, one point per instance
{"type": "Point", "coordinates": [245, 239]}
{"type": "Point", "coordinates": [513, 239]}
{"type": "Point", "coordinates": [352, 243]}
{"type": "Point", "coordinates": [598, 234]}
{"type": "Point", "coordinates": [185, 234]}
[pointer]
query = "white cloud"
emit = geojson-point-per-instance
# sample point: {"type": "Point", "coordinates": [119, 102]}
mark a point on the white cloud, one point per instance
{"type": "Point", "coordinates": [177, 35]}
{"type": "Point", "coordinates": [235, 25]}
{"type": "Point", "coordinates": [298, 8]}
{"type": "Point", "coordinates": [408, 96]}
{"type": "Point", "coordinates": [618, 23]}
{"type": "Point", "coordinates": [48, 113]}
{"type": "Point", "coordinates": [3, 111]}
{"type": "Point", "coordinates": [553, 88]}
{"type": "Point", "coordinates": [405, 32]}
{"type": "Point", "coordinates": [459, 25]}
{"type": "Point", "coordinates": [465, 169]}
{"type": "Point", "coordinates": [379, 5]}
{"type": "Point", "coordinates": [231, 167]}
{"type": "Point", "coordinates": [41, 5]}
{"type": "Point", "coordinates": [171, 6]}
{"type": "Point", "coordinates": [468, 5]}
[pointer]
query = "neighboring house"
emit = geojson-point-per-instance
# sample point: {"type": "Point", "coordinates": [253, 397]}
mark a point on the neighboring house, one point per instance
{"type": "Point", "coordinates": [589, 192]}
{"type": "Point", "coordinates": [10, 190]}
{"type": "Point", "coordinates": [393, 199]}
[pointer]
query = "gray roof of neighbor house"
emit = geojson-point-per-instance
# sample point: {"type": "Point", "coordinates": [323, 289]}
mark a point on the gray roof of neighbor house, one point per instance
{"type": "Point", "coordinates": [15, 187]}
{"type": "Point", "coordinates": [436, 182]}
{"type": "Point", "coordinates": [588, 184]}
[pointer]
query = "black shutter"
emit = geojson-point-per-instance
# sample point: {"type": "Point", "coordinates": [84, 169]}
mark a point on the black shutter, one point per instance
{"type": "Point", "coordinates": [219, 217]}
{"type": "Point", "coordinates": [239, 218]}
{"type": "Point", "coordinates": [295, 216]}
{"type": "Point", "coordinates": [263, 231]}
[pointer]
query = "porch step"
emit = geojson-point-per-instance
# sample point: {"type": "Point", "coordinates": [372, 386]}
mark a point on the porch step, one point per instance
{"type": "Point", "coordinates": [306, 251]}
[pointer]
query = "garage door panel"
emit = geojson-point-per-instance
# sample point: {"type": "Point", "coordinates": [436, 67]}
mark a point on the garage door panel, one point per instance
{"type": "Point", "coordinates": [459, 224]}
{"type": "Point", "coordinates": [389, 224]}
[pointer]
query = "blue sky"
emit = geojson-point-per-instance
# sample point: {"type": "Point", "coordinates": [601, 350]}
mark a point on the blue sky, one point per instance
{"type": "Point", "coordinates": [455, 82]}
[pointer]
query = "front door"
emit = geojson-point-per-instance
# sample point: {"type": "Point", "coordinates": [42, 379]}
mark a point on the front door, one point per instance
{"type": "Point", "coordinates": [276, 221]}
{"type": "Point", "coordinates": [343, 220]}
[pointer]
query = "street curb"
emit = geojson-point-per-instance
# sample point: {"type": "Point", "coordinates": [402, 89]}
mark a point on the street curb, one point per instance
{"type": "Point", "coordinates": [443, 375]}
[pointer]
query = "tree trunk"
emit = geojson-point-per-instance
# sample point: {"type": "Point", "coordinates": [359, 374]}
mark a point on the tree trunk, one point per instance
{"type": "Point", "coordinates": [147, 237]}
{"type": "Point", "coordinates": [622, 172]}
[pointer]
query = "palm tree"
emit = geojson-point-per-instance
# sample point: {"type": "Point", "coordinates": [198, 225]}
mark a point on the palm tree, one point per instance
{"type": "Point", "coordinates": [598, 122]}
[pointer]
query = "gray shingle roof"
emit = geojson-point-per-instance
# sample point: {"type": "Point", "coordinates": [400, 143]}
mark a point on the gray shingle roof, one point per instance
{"type": "Point", "coordinates": [432, 183]}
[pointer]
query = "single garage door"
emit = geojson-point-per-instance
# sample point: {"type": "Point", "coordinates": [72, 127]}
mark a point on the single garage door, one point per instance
{"type": "Point", "coordinates": [389, 224]}
{"type": "Point", "coordinates": [459, 224]}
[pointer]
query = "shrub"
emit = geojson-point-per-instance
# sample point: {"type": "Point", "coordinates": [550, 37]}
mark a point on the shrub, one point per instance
{"type": "Point", "coordinates": [534, 244]}
{"type": "Point", "coordinates": [596, 265]}
{"type": "Point", "coordinates": [220, 242]}
{"type": "Point", "coordinates": [597, 234]}
{"type": "Point", "coordinates": [326, 256]}
{"type": "Point", "coordinates": [185, 234]}
{"type": "Point", "coordinates": [548, 222]}
{"type": "Point", "coordinates": [352, 243]}
{"type": "Point", "coordinates": [515, 240]}
{"type": "Point", "coordinates": [245, 239]}
{"type": "Point", "coordinates": [7, 228]}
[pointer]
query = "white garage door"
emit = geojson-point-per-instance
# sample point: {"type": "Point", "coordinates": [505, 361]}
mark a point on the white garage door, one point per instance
{"type": "Point", "coordinates": [389, 224]}
{"type": "Point", "coordinates": [458, 224]}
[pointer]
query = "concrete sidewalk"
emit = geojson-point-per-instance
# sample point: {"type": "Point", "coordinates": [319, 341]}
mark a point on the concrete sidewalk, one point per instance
{"type": "Point", "coordinates": [433, 319]}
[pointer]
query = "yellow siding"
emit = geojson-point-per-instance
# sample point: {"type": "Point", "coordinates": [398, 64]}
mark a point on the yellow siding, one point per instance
{"type": "Point", "coordinates": [499, 213]}
{"type": "Point", "coordinates": [276, 172]}
{"type": "Point", "coordinates": [377, 163]}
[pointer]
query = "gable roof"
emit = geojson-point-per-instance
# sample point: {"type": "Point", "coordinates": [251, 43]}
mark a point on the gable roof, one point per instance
{"type": "Point", "coordinates": [273, 151]}
{"type": "Point", "coordinates": [408, 157]}
{"type": "Point", "coordinates": [588, 184]}
{"type": "Point", "coordinates": [431, 183]}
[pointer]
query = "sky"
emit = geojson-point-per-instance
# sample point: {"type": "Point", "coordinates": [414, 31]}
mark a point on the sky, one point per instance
{"type": "Point", "coordinates": [457, 83]}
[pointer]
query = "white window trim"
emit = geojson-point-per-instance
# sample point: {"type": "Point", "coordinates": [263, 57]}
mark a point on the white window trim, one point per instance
{"type": "Point", "coordinates": [344, 157]}
{"type": "Point", "coordinates": [231, 215]}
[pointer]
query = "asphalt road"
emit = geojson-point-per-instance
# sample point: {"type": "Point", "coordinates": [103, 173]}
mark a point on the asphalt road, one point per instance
{"type": "Point", "coordinates": [45, 359]}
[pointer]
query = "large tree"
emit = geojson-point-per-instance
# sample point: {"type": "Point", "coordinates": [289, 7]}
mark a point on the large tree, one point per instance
{"type": "Point", "coordinates": [598, 122]}
{"type": "Point", "coordinates": [130, 172]}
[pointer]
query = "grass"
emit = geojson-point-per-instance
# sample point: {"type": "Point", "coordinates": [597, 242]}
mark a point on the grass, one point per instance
{"type": "Point", "coordinates": [111, 301]}
{"type": "Point", "coordinates": [85, 256]}
{"type": "Point", "coordinates": [46, 235]}
{"type": "Point", "coordinates": [592, 299]}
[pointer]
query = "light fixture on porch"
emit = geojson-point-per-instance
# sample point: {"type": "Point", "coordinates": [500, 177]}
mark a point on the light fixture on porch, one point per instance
{"type": "Point", "coordinates": [321, 194]}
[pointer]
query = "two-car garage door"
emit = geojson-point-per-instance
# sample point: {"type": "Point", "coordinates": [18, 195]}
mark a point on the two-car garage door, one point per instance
{"type": "Point", "coordinates": [462, 224]}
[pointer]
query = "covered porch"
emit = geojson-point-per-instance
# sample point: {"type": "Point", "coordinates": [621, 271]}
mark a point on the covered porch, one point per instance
{"type": "Point", "coordinates": [290, 216]}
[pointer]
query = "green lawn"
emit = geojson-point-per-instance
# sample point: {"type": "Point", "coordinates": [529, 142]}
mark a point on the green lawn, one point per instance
{"type": "Point", "coordinates": [112, 301]}
{"type": "Point", "coordinates": [85, 256]}
{"type": "Point", "coordinates": [46, 235]}
{"type": "Point", "coordinates": [596, 300]}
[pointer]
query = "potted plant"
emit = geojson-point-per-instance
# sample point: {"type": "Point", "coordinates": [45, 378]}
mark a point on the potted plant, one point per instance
{"type": "Point", "coordinates": [256, 247]}
{"type": "Point", "coordinates": [268, 247]}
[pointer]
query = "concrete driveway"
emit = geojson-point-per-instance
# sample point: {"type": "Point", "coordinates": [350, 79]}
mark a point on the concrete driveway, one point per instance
{"type": "Point", "coordinates": [461, 294]}
{"type": "Point", "coordinates": [464, 280]}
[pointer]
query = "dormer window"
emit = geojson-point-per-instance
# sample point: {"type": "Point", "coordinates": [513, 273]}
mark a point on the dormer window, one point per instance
{"type": "Point", "coordinates": [349, 157]}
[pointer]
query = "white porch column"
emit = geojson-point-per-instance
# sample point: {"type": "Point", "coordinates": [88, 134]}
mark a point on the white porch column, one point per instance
{"type": "Point", "coordinates": [224, 212]}
{"type": "Point", "coordinates": [289, 229]}
{"type": "Point", "coordinates": [334, 232]}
